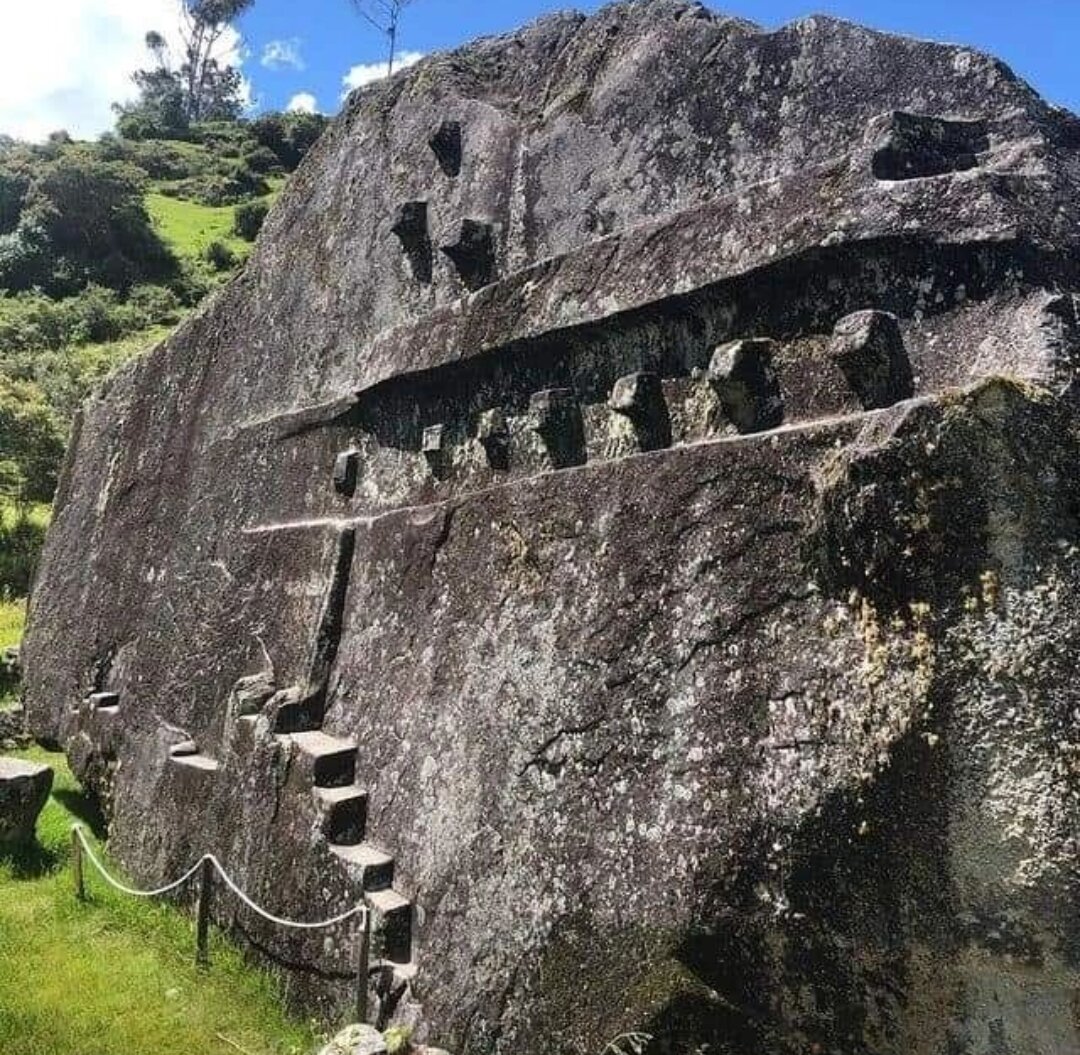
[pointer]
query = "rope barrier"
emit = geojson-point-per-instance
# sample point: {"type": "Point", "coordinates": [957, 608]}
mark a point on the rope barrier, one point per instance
{"type": "Point", "coordinates": [356, 910]}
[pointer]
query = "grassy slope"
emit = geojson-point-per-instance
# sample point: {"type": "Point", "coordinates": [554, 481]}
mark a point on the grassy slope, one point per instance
{"type": "Point", "coordinates": [188, 227]}
{"type": "Point", "coordinates": [115, 976]}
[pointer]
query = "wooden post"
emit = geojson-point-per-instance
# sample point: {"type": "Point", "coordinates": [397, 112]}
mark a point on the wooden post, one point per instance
{"type": "Point", "coordinates": [363, 963]}
{"type": "Point", "coordinates": [77, 862]}
{"type": "Point", "coordinates": [202, 919]}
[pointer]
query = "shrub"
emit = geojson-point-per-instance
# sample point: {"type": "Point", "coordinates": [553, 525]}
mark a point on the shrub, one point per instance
{"type": "Point", "coordinates": [248, 219]}
{"type": "Point", "coordinates": [262, 160]}
{"type": "Point", "coordinates": [156, 305]}
{"type": "Point", "coordinates": [219, 256]}
{"type": "Point", "coordinates": [31, 442]}
{"type": "Point", "coordinates": [13, 188]}
{"type": "Point", "coordinates": [91, 215]}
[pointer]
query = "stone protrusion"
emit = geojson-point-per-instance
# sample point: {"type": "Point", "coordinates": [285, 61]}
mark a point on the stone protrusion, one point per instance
{"type": "Point", "coordinates": [555, 416]}
{"type": "Point", "coordinates": [446, 143]}
{"type": "Point", "coordinates": [293, 710]}
{"type": "Point", "coordinates": [394, 917]}
{"type": "Point", "coordinates": [373, 868]}
{"type": "Point", "coordinates": [323, 761]}
{"type": "Point", "coordinates": [344, 814]}
{"type": "Point", "coordinates": [104, 701]}
{"type": "Point", "coordinates": [196, 762]}
{"type": "Point", "coordinates": [24, 790]}
{"type": "Point", "coordinates": [434, 446]}
{"type": "Point", "coordinates": [493, 433]}
{"type": "Point", "coordinates": [916, 146]}
{"type": "Point", "coordinates": [251, 694]}
{"type": "Point", "coordinates": [639, 398]}
{"type": "Point", "coordinates": [473, 254]}
{"type": "Point", "coordinates": [346, 472]}
{"type": "Point", "coordinates": [869, 350]}
{"type": "Point", "coordinates": [743, 377]}
{"type": "Point", "coordinates": [411, 227]}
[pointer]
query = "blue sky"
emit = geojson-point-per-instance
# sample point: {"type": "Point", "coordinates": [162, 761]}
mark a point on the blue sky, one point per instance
{"type": "Point", "coordinates": [64, 62]}
{"type": "Point", "coordinates": [1040, 39]}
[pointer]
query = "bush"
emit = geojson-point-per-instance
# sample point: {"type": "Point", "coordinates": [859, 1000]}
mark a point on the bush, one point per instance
{"type": "Point", "coordinates": [94, 223]}
{"type": "Point", "coordinates": [13, 188]}
{"type": "Point", "coordinates": [21, 540]}
{"type": "Point", "coordinates": [219, 256]}
{"type": "Point", "coordinates": [156, 305]}
{"type": "Point", "coordinates": [236, 185]}
{"type": "Point", "coordinates": [289, 136]}
{"type": "Point", "coordinates": [31, 442]}
{"type": "Point", "coordinates": [262, 160]}
{"type": "Point", "coordinates": [248, 219]}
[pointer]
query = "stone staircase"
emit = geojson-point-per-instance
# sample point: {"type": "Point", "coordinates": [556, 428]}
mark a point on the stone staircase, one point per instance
{"type": "Point", "coordinates": [327, 766]}
{"type": "Point", "coordinates": [324, 766]}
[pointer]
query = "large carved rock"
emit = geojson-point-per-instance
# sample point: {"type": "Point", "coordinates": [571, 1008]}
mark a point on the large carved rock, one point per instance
{"type": "Point", "coordinates": [670, 607]}
{"type": "Point", "coordinates": [24, 790]}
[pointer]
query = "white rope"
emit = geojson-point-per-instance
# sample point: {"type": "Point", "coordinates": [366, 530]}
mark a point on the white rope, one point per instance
{"type": "Point", "coordinates": [126, 889]}
{"type": "Point", "coordinates": [356, 910]}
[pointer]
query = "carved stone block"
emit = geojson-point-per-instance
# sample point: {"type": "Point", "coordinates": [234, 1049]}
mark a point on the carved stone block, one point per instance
{"type": "Point", "coordinates": [743, 377]}
{"type": "Point", "coordinates": [346, 472]}
{"type": "Point", "coordinates": [250, 694]}
{"type": "Point", "coordinates": [411, 227]}
{"type": "Point", "coordinates": [433, 446]}
{"type": "Point", "coordinates": [104, 701]}
{"type": "Point", "coordinates": [446, 143]}
{"type": "Point", "coordinates": [473, 254]}
{"type": "Point", "coordinates": [555, 416]}
{"type": "Point", "coordinates": [640, 399]}
{"type": "Point", "coordinates": [493, 432]}
{"type": "Point", "coordinates": [869, 350]}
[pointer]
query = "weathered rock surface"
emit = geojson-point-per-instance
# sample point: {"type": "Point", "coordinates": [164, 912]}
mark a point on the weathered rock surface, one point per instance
{"type": "Point", "coordinates": [624, 524]}
{"type": "Point", "coordinates": [24, 790]}
{"type": "Point", "coordinates": [13, 729]}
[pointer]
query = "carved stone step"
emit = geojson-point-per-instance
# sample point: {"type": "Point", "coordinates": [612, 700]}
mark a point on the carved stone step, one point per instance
{"type": "Point", "coordinates": [200, 763]}
{"type": "Point", "coordinates": [323, 761]}
{"type": "Point", "coordinates": [393, 918]}
{"type": "Point", "coordinates": [373, 868]}
{"type": "Point", "coordinates": [104, 702]}
{"type": "Point", "coordinates": [344, 814]}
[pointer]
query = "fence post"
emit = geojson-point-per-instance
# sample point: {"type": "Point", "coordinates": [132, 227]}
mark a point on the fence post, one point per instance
{"type": "Point", "coordinates": [77, 862]}
{"type": "Point", "coordinates": [202, 922]}
{"type": "Point", "coordinates": [363, 962]}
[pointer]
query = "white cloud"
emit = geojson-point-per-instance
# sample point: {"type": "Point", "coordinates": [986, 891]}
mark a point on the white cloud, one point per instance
{"type": "Point", "coordinates": [303, 103]}
{"type": "Point", "coordinates": [368, 73]}
{"type": "Point", "coordinates": [283, 54]}
{"type": "Point", "coordinates": [63, 63]}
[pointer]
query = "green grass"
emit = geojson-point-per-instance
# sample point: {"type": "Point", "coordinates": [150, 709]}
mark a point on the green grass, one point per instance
{"type": "Point", "coordinates": [188, 227]}
{"type": "Point", "coordinates": [115, 976]}
{"type": "Point", "coordinates": [12, 617]}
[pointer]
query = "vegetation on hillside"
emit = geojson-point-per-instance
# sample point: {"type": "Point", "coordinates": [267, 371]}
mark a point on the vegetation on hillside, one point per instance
{"type": "Point", "coordinates": [115, 974]}
{"type": "Point", "coordinates": [104, 247]}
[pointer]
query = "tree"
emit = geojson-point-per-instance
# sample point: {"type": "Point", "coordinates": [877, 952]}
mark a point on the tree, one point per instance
{"type": "Point", "coordinates": [212, 91]}
{"type": "Point", "coordinates": [385, 16]}
{"type": "Point", "coordinates": [201, 88]}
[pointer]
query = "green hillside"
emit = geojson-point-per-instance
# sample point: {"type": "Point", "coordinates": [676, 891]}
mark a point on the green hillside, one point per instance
{"type": "Point", "coordinates": [104, 248]}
